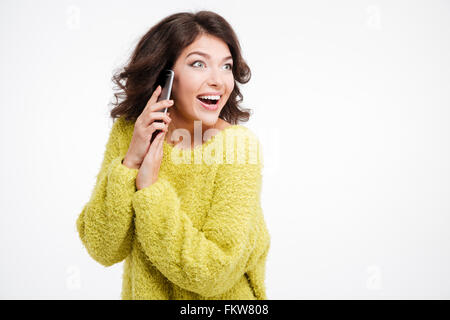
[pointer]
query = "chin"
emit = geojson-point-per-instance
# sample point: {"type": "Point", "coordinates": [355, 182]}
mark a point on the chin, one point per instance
{"type": "Point", "coordinates": [209, 119]}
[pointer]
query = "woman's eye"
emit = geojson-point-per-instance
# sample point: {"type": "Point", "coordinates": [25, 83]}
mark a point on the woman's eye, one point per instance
{"type": "Point", "coordinates": [228, 64]}
{"type": "Point", "coordinates": [196, 62]}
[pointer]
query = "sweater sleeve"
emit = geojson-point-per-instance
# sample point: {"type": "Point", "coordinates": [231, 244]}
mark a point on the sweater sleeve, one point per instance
{"type": "Point", "coordinates": [105, 225]}
{"type": "Point", "coordinates": [208, 261]}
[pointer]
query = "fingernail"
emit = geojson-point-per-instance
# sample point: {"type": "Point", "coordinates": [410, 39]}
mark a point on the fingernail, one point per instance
{"type": "Point", "coordinates": [170, 101]}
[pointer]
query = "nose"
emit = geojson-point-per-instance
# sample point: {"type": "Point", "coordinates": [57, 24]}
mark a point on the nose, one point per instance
{"type": "Point", "coordinates": [215, 78]}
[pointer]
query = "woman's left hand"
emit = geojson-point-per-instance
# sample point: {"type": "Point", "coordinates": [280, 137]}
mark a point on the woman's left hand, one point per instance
{"type": "Point", "coordinates": [149, 170]}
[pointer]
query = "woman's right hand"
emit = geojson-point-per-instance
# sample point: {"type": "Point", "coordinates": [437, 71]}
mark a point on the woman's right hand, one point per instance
{"type": "Point", "coordinates": [144, 127]}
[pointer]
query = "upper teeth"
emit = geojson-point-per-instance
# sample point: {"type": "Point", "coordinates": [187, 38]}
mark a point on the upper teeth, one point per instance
{"type": "Point", "coordinates": [210, 97]}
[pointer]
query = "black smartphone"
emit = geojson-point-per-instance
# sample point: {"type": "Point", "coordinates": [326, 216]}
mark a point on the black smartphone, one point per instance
{"type": "Point", "coordinates": [165, 80]}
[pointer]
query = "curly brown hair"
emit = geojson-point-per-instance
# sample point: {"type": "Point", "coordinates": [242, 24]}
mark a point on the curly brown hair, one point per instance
{"type": "Point", "coordinates": [160, 47]}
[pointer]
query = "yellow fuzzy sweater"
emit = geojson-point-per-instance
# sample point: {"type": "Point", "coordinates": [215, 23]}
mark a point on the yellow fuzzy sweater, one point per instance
{"type": "Point", "coordinates": [197, 233]}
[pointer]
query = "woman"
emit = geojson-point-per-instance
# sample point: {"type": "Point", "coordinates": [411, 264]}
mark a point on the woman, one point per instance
{"type": "Point", "coordinates": [185, 217]}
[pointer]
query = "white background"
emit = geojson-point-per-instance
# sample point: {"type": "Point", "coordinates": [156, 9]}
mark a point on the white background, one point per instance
{"type": "Point", "coordinates": [351, 103]}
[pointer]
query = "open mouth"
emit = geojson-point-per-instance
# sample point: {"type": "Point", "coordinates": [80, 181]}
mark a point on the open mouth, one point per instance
{"type": "Point", "coordinates": [210, 102]}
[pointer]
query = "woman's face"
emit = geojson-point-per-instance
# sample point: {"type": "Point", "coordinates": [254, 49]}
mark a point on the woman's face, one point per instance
{"type": "Point", "coordinates": [207, 72]}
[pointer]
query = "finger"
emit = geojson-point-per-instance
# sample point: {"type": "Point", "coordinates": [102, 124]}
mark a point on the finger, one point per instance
{"type": "Point", "coordinates": [156, 125]}
{"type": "Point", "coordinates": [154, 97]}
{"type": "Point", "coordinates": [155, 145]}
{"type": "Point", "coordinates": [158, 115]}
{"type": "Point", "coordinates": [163, 136]}
{"type": "Point", "coordinates": [149, 158]}
{"type": "Point", "coordinates": [156, 141]}
{"type": "Point", "coordinates": [161, 143]}
{"type": "Point", "coordinates": [156, 107]}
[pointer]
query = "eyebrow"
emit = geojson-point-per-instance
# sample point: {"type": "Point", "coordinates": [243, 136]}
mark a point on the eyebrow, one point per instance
{"type": "Point", "coordinates": [206, 55]}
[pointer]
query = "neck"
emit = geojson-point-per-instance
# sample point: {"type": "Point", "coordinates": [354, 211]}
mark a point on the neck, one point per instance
{"type": "Point", "coordinates": [189, 125]}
